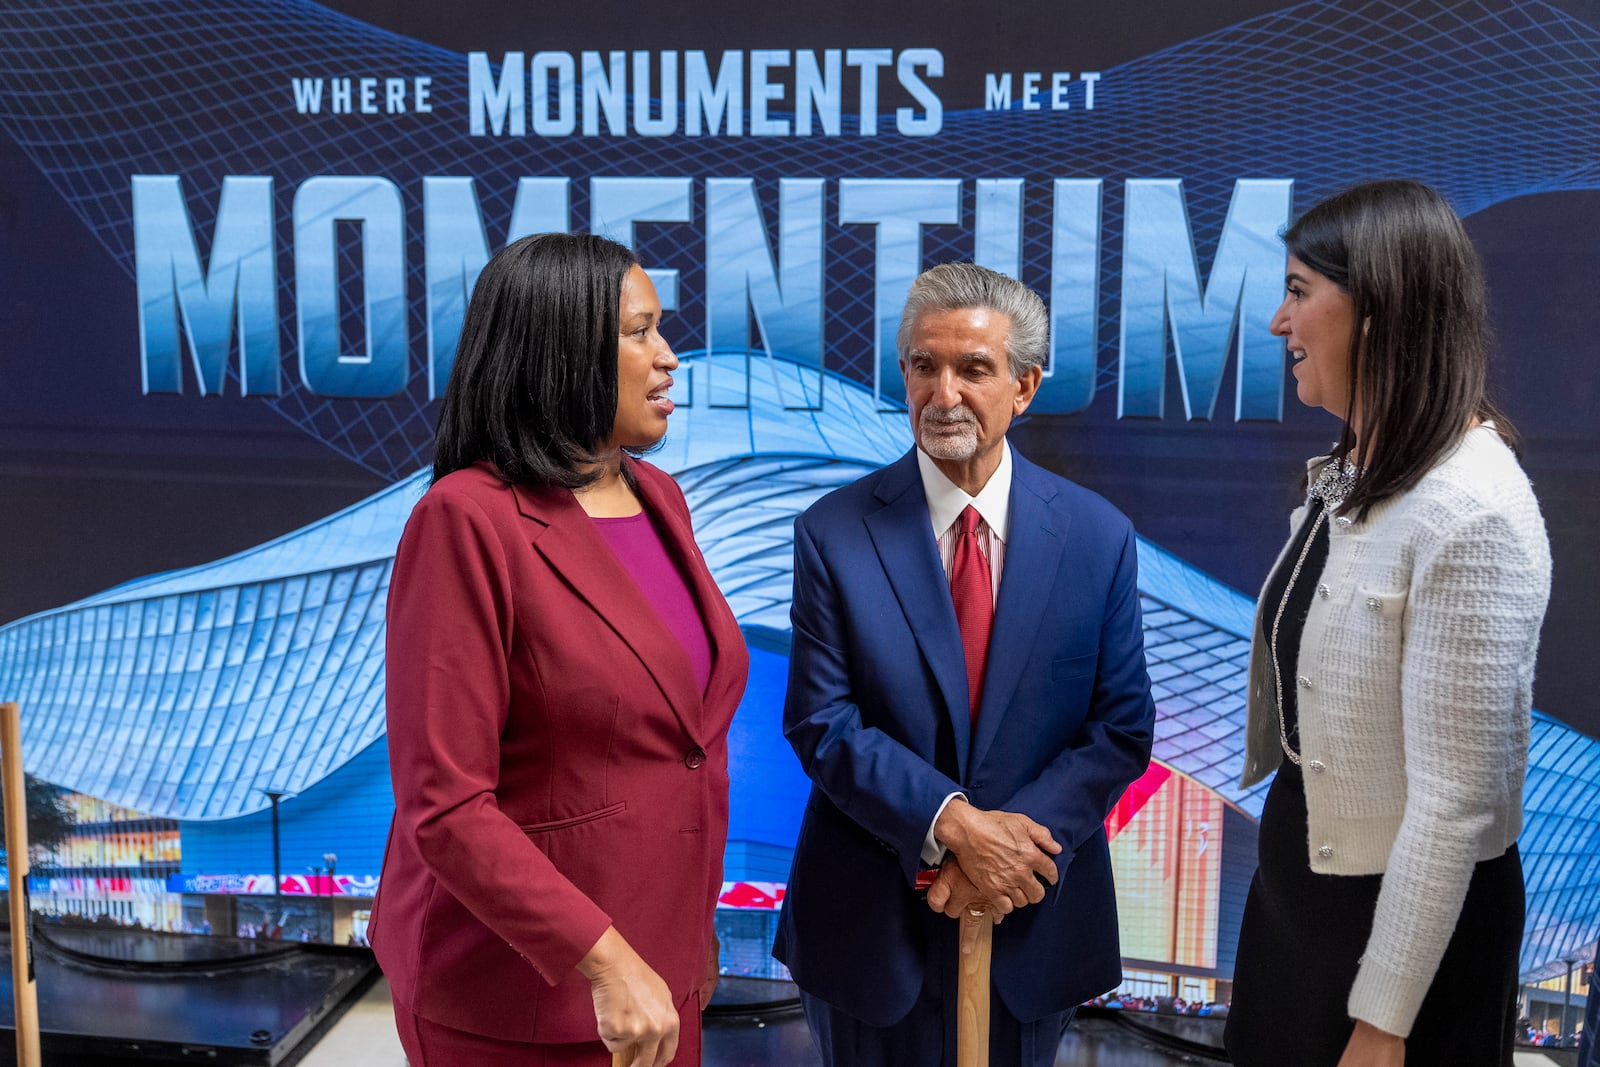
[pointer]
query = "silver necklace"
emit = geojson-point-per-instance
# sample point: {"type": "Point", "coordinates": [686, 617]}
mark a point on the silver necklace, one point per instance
{"type": "Point", "coordinates": [1277, 619]}
{"type": "Point", "coordinates": [1331, 487]}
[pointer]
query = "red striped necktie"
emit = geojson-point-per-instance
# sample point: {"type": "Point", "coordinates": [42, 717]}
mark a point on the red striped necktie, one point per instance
{"type": "Point", "coordinates": [972, 590]}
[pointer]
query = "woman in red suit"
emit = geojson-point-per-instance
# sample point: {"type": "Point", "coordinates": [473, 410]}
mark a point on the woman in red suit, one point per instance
{"type": "Point", "coordinates": [562, 672]}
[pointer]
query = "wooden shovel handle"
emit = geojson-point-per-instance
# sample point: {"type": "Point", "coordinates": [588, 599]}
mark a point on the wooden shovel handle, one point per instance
{"type": "Point", "coordinates": [24, 988]}
{"type": "Point", "coordinates": [972, 997]}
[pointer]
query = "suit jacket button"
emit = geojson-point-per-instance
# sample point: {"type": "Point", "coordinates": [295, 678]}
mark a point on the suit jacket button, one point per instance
{"type": "Point", "coordinates": [693, 758]}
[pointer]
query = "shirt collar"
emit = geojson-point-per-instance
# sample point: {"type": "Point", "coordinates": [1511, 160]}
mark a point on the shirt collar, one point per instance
{"type": "Point", "coordinates": [946, 499]}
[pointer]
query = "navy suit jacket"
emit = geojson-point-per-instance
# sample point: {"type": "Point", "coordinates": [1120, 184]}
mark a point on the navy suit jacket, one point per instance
{"type": "Point", "coordinates": [877, 711]}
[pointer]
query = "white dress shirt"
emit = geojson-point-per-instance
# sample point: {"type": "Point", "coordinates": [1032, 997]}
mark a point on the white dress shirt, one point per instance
{"type": "Point", "coordinates": [946, 502]}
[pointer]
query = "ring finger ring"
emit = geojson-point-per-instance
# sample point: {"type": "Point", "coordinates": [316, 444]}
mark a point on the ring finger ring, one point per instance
{"type": "Point", "coordinates": [977, 911]}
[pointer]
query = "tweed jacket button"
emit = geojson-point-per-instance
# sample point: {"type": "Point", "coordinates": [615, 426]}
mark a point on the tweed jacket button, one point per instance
{"type": "Point", "coordinates": [1323, 591]}
{"type": "Point", "coordinates": [1345, 521]}
{"type": "Point", "coordinates": [1317, 765]}
{"type": "Point", "coordinates": [1326, 851]}
{"type": "Point", "coordinates": [693, 758]}
{"type": "Point", "coordinates": [1303, 682]}
{"type": "Point", "coordinates": [1374, 604]}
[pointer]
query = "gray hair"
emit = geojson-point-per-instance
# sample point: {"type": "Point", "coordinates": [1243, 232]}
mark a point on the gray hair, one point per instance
{"type": "Point", "coordinates": [958, 286]}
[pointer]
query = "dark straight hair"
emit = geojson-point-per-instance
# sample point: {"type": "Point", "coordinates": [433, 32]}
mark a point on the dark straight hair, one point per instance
{"type": "Point", "coordinates": [1419, 355]}
{"type": "Point", "coordinates": [534, 385]}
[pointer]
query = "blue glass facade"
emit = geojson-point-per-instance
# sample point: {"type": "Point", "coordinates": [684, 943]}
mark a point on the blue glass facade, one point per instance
{"type": "Point", "coordinates": [1560, 847]}
{"type": "Point", "coordinates": [347, 813]}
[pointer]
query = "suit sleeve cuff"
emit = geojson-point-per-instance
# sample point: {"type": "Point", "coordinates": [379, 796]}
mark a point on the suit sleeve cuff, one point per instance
{"type": "Point", "coordinates": [1386, 998]}
{"type": "Point", "coordinates": [932, 851]}
{"type": "Point", "coordinates": [579, 933]}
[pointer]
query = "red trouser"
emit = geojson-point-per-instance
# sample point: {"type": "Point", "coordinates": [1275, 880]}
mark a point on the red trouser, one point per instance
{"type": "Point", "coordinates": [429, 1044]}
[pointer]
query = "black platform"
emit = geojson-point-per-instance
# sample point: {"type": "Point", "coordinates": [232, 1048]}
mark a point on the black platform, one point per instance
{"type": "Point", "coordinates": [109, 995]}
{"type": "Point", "coordinates": [758, 1023]}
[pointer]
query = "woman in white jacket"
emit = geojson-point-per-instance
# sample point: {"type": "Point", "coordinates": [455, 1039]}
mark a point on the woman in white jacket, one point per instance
{"type": "Point", "coordinates": [1392, 667]}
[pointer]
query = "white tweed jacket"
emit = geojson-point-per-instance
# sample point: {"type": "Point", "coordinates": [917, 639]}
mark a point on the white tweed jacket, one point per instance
{"type": "Point", "coordinates": [1414, 682]}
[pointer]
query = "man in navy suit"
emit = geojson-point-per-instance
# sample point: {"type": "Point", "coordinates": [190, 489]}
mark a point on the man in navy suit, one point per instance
{"type": "Point", "coordinates": [968, 694]}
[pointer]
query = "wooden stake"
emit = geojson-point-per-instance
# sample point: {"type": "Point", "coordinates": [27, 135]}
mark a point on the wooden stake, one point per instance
{"type": "Point", "coordinates": [972, 996]}
{"type": "Point", "coordinates": [24, 990]}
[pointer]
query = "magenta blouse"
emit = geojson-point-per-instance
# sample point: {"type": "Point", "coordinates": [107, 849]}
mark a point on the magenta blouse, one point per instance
{"type": "Point", "coordinates": [644, 556]}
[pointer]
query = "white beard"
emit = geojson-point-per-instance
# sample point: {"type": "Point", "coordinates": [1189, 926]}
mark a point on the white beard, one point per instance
{"type": "Point", "coordinates": [957, 447]}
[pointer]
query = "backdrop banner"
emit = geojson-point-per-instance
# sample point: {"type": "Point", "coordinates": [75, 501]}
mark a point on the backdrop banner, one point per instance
{"type": "Point", "coordinates": [238, 237]}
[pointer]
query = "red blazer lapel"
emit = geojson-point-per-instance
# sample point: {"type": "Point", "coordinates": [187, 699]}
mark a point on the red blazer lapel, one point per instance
{"type": "Point", "coordinates": [729, 658]}
{"type": "Point", "coordinates": [563, 534]}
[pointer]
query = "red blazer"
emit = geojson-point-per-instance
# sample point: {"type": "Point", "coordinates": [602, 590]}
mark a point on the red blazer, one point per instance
{"type": "Point", "coordinates": [555, 769]}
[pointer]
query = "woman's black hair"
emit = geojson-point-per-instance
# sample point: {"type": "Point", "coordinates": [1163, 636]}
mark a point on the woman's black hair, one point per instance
{"type": "Point", "coordinates": [1419, 356]}
{"type": "Point", "coordinates": [534, 385]}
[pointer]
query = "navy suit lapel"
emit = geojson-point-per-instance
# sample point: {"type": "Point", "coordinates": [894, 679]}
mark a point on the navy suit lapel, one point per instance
{"type": "Point", "coordinates": [902, 534]}
{"type": "Point", "coordinates": [565, 536]}
{"type": "Point", "coordinates": [1033, 554]}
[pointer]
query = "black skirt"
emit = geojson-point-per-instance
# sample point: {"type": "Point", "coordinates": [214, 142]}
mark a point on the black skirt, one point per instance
{"type": "Point", "coordinates": [1301, 942]}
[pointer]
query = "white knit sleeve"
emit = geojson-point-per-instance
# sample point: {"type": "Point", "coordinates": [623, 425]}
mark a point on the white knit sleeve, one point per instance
{"type": "Point", "coordinates": [1476, 602]}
